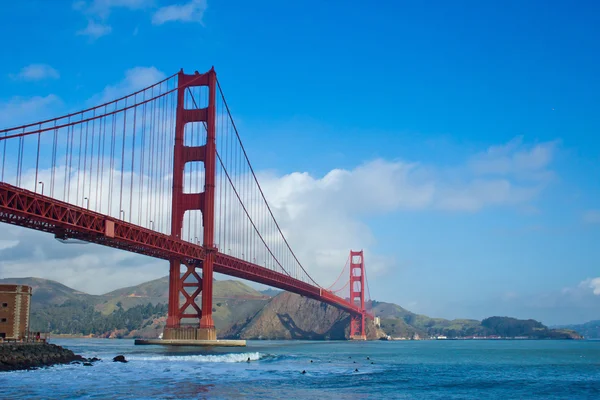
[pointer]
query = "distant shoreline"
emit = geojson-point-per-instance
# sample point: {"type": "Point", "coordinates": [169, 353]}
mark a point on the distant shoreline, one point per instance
{"type": "Point", "coordinates": [67, 336]}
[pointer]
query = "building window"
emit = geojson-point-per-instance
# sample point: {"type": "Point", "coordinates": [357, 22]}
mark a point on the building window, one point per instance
{"type": "Point", "coordinates": [3, 320]}
{"type": "Point", "coordinates": [4, 304]}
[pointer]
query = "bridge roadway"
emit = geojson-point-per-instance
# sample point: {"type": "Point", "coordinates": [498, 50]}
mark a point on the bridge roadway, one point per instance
{"type": "Point", "coordinates": [25, 208]}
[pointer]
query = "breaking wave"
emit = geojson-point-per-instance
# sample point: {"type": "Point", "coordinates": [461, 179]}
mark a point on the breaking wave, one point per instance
{"type": "Point", "coordinates": [220, 358]}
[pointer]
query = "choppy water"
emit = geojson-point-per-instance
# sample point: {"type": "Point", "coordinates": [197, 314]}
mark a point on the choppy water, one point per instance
{"type": "Point", "coordinates": [400, 370]}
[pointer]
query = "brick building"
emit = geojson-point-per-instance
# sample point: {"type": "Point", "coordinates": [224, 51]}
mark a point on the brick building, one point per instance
{"type": "Point", "coordinates": [15, 301]}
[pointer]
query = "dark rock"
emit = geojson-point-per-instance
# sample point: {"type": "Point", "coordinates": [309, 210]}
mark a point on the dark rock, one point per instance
{"type": "Point", "coordinates": [120, 358]}
{"type": "Point", "coordinates": [87, 364]}
{"type": "Point", "coordinates": [23, 356]}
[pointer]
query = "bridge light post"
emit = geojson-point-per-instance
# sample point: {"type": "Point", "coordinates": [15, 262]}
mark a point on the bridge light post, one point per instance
{"type": "Point", "coordinates": [41, 183]}
{"type": "Point", "coordinates": [151, 224]}
{"type": "Point", "coordinates": [88, 202]}
{"type": "Point", "coordinates": [123, 215]}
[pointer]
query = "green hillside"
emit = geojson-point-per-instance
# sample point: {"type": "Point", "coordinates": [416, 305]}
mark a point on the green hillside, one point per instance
{"type": "Point", "coordinates": [153, 292]}
{"type": "Point", "coordinates": [241, 311]}
{"type": "Point", "coordinates": [157, 291]}
{"type": "Point", "coordinates": [399, 322]}
{"type": "Point", "coordinates": [590, 330]}
{"type": "Point", "coordinates": [138, 311]}
{"type": "Point", "coordinates": [47, 292]}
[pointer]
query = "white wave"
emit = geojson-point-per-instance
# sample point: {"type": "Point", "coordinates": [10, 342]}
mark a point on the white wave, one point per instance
{"type": "Point", "coordinates": [221, 358]}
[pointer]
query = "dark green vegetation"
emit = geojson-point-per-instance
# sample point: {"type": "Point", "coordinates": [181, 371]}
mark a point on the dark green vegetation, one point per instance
{"type": "Point", "coordinates": [137, 311]}
{"type": "Point", "coordinates": [589, 330]}
{"type": "Point", "coordinates": [398, 322]}
{"type": "Point", "coordinates": [241, 312]}
{"type": "Point", "coordinates": [79, 318]}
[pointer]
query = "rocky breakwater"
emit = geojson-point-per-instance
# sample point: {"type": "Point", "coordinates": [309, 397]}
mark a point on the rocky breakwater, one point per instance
{"type": "Point", "coordinates": [16, 356]}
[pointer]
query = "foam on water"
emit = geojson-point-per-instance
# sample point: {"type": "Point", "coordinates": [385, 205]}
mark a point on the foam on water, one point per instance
{"type": "Point", "coordinates": [220, 358]}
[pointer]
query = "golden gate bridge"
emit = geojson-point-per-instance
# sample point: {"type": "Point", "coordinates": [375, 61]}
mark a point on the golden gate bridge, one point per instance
{"type": "Point", "coordinates": [163, 172]}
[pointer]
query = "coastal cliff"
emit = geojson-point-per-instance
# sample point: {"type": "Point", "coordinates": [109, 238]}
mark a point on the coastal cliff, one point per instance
{"type": "Point", "coordinates": [290, 316]}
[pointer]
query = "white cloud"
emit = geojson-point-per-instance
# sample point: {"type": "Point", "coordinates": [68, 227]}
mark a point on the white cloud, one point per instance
{"type": "Point", "coordinates": [98, 11]}
{"type": "Point", "coordinates": [135, 79]}
{"type": "Point", "coordinates": [21, 110]}
{"type": "Point", "coordinates": [514, 159]}
{"type": "Point", "coordinates": [102, 8]}
{"type": "Point", "coordinates": [591, 217]}
{"type": "Point", "coordinates": [87, 267]}
{"type": "Point", "coordinates": [508, 174]}
{"type": "Point", "coordinates": [592, 283]}
{"type": "Point", "coordinates": [322, 217]}
{"type": "Point", "coordinates": [191, 11]}
{"type": "Point", "coordinates": [95, 30]}
{"type": "Point", "coordinates": [480, 193]}
{"type": "Point", "coordinates": [37, 72]}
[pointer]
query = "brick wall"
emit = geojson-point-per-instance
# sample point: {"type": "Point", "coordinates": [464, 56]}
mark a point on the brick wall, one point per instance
{"type": "Point", "coordinates": [15, 301]}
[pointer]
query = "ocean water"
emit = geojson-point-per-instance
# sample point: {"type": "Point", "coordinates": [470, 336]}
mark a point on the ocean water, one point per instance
{"type": "Point", "coordinates": [393, 370]}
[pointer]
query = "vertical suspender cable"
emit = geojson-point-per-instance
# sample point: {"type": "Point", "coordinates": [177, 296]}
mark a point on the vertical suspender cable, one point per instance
{"type": "Point", "coordinates": [92, 161]}
{"type": "Point", "coordinates": [123, 160]}
{"type": "Point", "coordinates": [37, 161]}
{"type": "Point", "coordinates": [54, 150]}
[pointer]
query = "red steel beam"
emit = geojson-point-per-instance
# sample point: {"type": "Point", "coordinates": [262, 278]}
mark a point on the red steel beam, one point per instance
{"type": "Point", "coordinates": [25, 208]}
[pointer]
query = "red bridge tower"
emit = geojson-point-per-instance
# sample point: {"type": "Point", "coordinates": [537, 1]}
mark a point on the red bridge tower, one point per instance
{"type": "Point", "coordinates": [357, 294]}
{"type": "Point", "coordinates": [182, 202]}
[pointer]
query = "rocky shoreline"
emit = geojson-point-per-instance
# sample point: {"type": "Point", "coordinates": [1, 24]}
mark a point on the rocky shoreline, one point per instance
{"type": "Point", "coordinates": [23, 356]}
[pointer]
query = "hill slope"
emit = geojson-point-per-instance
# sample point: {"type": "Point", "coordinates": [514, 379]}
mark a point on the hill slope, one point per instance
{"type": "Point", "coordinates": [47, 292]}
{"type": "Point", "coordinates": [589, 330]}
{"type": "Point", "coordinates": [399, 322]}
{"type": "Point", "coordinates": [240, 311]}
{"type": "Point", "coordinates": [136, 311]}
{"type": "Point", "coordinates": [290, 316]}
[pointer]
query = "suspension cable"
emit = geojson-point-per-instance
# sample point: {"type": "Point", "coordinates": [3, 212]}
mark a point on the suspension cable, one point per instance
{"type": "Point", "coordinates": [258, 184]}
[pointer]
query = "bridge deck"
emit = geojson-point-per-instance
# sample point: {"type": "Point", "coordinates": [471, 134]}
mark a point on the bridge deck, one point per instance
{"type": "Point", "coordinates": [25, 208]}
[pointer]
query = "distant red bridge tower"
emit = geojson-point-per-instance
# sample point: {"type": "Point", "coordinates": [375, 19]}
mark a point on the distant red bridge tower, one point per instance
{"type": "Point", "coordinates": [357, 294]}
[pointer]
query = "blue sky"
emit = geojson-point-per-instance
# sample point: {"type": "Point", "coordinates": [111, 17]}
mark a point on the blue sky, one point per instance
{"type": "Point", "coordinates": [458, 142]}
